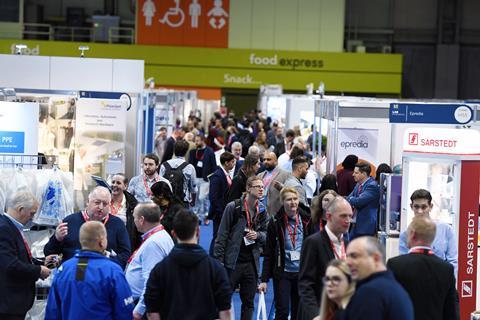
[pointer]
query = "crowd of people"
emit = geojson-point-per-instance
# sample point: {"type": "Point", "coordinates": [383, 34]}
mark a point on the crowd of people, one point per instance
{"type": "Point", "coordinates": [133, 252]}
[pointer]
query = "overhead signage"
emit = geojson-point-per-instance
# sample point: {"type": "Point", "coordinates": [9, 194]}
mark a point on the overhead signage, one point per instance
{"type": "Point", "coordinates": [430, 113]}
{"type": "Point", "coordinates": [442, 141]}
{"type": "Point", "coordinates": [200, 23]}
{"type": "Point", "coordinates": [361, 142]}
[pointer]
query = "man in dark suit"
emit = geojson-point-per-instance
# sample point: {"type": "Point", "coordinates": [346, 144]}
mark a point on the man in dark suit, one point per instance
{"type": "Point", "coordinates": [18, 269]}
{"type": "Point", "coordinates": [365, 201]}
{"type": "Point", "coordinates": [317, 251]}
{"type": "Point", "coordinates": [286, 145]}
{"type": "Point", "coordinates": [177, 134]}
{"type": "Point", "coordinates": [220, 183]}
{"type": "Point", "coordinates": [429, 280]}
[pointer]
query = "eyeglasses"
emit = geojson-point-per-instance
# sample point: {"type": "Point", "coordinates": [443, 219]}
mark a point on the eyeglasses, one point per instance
{"type": "Point", "coordinates": [335, 280]}
{"type": "Point", "coordinates": [423, 206]}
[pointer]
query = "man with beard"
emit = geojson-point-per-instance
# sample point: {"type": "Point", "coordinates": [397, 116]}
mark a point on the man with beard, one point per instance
{"type": "Point", "coordinates": [65, 240]}
{"type": "Point", "coordinates": [270, 177]}
{"type": "Point", "coordinates": [299, 171]}
{"type": "Point", "coordinates": [140, 185]}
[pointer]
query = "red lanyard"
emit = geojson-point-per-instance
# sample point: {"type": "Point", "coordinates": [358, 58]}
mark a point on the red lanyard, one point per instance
{"type": "Point", "coordinates": [422, 251]}
{"type": "Point", "coordinates": [343, 254]}
{"type": "Point", "coordinates": [87, 218]}
{"type": "Point", "coordinates": [27, 247]}
{"type": "Point", "coordinates": [293, 235]}
{"type": "Point", "coordinates": [114, 209]}
{"type": "Point", "coordinates": [200, 158]}
{"type": "Point", "coordinates": [147, 188]}
{"type": "Point", "coordinates": [145, 237]}
{"type": "Point", "coordinates": [249, 221]}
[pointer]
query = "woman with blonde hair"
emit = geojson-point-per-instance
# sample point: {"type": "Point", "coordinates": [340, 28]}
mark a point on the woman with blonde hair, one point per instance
{"type": "Point", "coordinates": [338, 288]}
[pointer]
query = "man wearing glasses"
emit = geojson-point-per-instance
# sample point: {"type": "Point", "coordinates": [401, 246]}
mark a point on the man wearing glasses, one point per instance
{"type": "Point", "coordinates": [444, 245]}
{"type": "Point", "coordinates": [241, 235]}
{"type": "Point", "coordinates": [65, 240]}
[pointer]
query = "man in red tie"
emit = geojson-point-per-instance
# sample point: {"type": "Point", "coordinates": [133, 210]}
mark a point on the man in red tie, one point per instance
{"type": "Point", "coordinates": [220, 182]}
{"type": "Point", "coordinates": [18, 269]}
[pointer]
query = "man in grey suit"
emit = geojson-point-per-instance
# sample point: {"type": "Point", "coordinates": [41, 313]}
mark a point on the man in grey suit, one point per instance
{"type": "Point", "coordinates": [273, 179]}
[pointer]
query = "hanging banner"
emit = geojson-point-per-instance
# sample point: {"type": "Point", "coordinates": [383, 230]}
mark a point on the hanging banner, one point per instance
{"type": "Point", "coordinates": [360, 142]}
{"type": "Point", "coordinates": [19, 128]}
{"type": "Point", "coordinates": [100, 142]}
{"type": "Point", "coordinates": [194, 23]}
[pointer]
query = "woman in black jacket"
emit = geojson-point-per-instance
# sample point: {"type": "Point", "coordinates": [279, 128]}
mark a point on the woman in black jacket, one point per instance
{"type": "Point", "coordinates": [250, 166]}
{"type": "Point", "coordinates": [285, 234]}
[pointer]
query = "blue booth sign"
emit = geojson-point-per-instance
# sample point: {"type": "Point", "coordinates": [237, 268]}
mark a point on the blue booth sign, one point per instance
{"type": "Point", "coordinates": [12, 142]}
{"type": "Point", "coordinates": [430, 113]}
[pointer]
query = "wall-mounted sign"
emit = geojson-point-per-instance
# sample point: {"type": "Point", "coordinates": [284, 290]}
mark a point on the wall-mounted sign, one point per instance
{"type": "Point", "coordinates": [430, 113]}
{"type": "Point", "coordinates": [198, 23]}
{"type": "Point", "coordinates": [361, 142]}
{"type": "Point", "coordinates": [442, 141]}
{"type": "Point", "coordinates": [19, 128]}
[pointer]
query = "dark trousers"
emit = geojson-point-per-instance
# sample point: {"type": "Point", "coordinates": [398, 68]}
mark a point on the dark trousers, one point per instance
{"type": "Point", "coordinates": [216, 225]}
{"type": "Point", "coordinates": [285, 291]}
{"type": "Point", "coordinates": [245, 275]}
{"type": "Point", "coordinates": [11, 317]}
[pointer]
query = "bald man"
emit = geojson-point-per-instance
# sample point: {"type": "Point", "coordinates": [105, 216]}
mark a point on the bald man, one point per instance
{"type": "Point", "coordinates": [271, 176]}
{"type": "Point", "coordinates": [93, 278]}
{"type": "Point", "coordinates": [65, 240]}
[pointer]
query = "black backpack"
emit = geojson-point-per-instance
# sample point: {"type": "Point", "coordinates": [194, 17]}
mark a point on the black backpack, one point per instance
{"type": "Point", "coordinates": [176, 178]}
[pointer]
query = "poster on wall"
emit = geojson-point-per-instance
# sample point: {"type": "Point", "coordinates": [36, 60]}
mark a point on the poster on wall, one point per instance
{"type": "Point", "coordinates": [100, 143]}
{"type": "Point", "coordinates": [18, 131]}
{"type": "Point", "coordinates": [360, 142]}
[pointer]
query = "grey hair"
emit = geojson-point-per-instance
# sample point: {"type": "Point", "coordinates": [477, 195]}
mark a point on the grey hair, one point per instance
{"type": "Point", "coordinates": [372, 246]}
{"type": "Point", "coordinates": [99, 189]}
{"type": "Point", "coordinates": [236, 143]}
{"type": "Point", "coordinates": [335, 203]}
{"type": "Point", "coordinates": [254, 150]}
{"type": "Point", "coordinates": [22, 198]}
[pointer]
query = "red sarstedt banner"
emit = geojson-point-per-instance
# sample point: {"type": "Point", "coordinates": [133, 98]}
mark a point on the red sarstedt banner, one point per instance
{"type": "Point", "coordinates": [193, 23]}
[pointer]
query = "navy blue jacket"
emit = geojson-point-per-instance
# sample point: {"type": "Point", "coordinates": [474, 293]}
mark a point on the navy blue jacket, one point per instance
{"type": "Point", "coordinates": [366, 205]}
{"type": "Point", "coordinates": [17, 273]}
{"type": "Point", "coordinates": [209, 163]}
{"type": "Point", "coordinates": [379, 297]}
{"type": "Point", "coordinates": [217, 194]}
{"type": "Point", "coordinates": [117, 236]}
{"type": "Point", "coordinates": [103, 293]}
{"type": "Point", "coordinates": [188, 284]}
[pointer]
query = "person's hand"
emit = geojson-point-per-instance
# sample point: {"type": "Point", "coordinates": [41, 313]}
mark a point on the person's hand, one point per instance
{"type": "Point", "coordinates": [262, 287]}
{"type": "Point", "coordinates": [251, 235]}
{"type": "Point", "coordinates": [61, 231]}
{"type": "Point", "coordinates": [44, 272]}
{"type": "Point", "coordinates": [137, 316]}
{"type": "Point", "coordinates": [52, 261]}
{"type": "Point", "coordinates": [277, 185]}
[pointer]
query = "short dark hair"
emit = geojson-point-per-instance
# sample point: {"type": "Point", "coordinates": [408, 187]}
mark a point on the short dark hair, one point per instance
{"type": "Point", "coordinates": [185, 224]}
{"type": "Point", "coordinates": [290, 133]}
{"type": "Point", "coordinates": [149, 211]}
{"type": "Point", "coordinates": [421, 194]}
{"type": "Point", "coordinates": [364, 167]}
{"type": "Point", "coordinates": [201, 136]}
{"type": "Point", "coordinates": [298, 161]}
{"type": "Point", "coordinates": [296, 152]}
{"type": "Point", "coordinates": [152, 156]}
{"type": "Point", "coordinates": [226, 157]}
{"type": "Point", "coordinates": [180, 148]}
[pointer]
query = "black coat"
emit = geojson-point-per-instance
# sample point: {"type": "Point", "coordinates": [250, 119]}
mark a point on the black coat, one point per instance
{"type": "Point", "coordinates": [430, 283]}
{"type": "Point", "coordinates": [17, 272]}
{"type": "Point", "coordinates": [316, 254]}
{"type": "Point", "coordinates": [133, 234]}
{"type": "Point", "coordinates": [169, 146]}
{"type": "Point", "coordinates": [274, 253]}
{"type": "Point", "coordinates": [217, 194]}
{"type": "Point", "coordinates": [238, 187]}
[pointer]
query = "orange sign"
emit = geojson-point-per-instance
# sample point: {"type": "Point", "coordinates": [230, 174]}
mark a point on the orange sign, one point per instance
{"type": "Point", "coordinates": [192, 23]}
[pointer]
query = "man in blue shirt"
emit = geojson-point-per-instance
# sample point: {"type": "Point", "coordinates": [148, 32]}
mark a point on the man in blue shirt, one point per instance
{"type": "Point", "coordinates": [90, 286]}
{"type": "Point", "coordinates": [156, 245]}
{"type": "Point", "coordinates": [444, 245]}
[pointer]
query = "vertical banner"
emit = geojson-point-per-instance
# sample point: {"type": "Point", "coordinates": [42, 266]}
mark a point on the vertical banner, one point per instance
{"type": "Point", "coordinates": [361, 142]}
{"type": "Point", "coordinates": [468, 235]}
{"type": "Point", "coordinates": [193, 23]}
{"type": "Point", "coordinates": [18, 129]}
{"type": "Point", "coordinates": [100, 142]}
